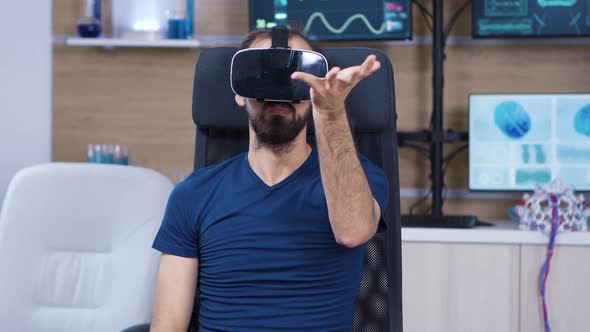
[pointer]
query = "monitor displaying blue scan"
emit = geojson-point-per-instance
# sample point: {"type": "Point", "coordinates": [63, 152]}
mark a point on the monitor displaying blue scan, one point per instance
{"type": "Point", "coordinates": [531, 18]}
{"type": "Point", "coordinates": [519, 140]}
{"type": "Point", "coordinates": [336, 19]}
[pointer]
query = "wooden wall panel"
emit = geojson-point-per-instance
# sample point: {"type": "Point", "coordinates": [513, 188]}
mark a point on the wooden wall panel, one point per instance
{"type": "Point", "coordinates": [142, 97]}
{"type": "Point", "coordinates": [128, 96]}
{"type": "Point", "coordinates": [221, 17]}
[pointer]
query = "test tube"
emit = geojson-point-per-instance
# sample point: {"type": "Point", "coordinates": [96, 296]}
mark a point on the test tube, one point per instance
{"type": "Point", "coordinates": [98, 153]}
{"type": "Point", "coordinates": [117, 157]}
{"type": "Point", "coordinates": [90, 157]}
{"type": "Point", "coordinates": [108, 153]}
{"type": "Point", "coordinates": [125, 156]}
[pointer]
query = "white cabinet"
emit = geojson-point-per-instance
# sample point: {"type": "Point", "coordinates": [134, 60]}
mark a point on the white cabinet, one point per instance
{"type": "Point", "coordinates": [568, 289]}
{"type": "Point", "coordinates": [460, 287]}
{"type": "Point", "coordinates": [487, 280]}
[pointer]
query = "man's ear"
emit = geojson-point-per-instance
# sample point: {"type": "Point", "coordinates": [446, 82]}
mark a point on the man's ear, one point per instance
{"type": "Point", "coordinates": [241, 101]}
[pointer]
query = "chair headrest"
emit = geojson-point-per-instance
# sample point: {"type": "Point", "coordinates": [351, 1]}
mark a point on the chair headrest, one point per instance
{"type": "Point", "coordinates": [370, 104]}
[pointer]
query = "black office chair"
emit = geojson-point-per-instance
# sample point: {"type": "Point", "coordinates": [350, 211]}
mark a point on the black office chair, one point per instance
{"type": "Point", "coordinates": [222, 133]}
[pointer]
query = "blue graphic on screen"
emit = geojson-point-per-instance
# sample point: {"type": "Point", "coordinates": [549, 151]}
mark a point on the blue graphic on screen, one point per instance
{"type": "Point", "coordinates": [518, 141]}
{"type": "Point", "coordinates": [528, 18]}
{"type": "Point", "coordinates": [582, 121]}
{"type": "Point", "coordinates": [336, 19]}
{"type": "Point", "coordinates": [512, 119]}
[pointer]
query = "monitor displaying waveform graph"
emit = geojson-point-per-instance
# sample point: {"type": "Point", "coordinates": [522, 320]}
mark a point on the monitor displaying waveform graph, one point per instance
{"type": "Point", "coordinates": [530, 18]}
{"type": "Point", "coordinates": [336, 19]}
{"type": "Point", "coordinates": [517, 141]}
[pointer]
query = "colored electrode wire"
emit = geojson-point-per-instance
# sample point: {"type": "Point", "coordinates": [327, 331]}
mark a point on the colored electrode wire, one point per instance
{"type": "Point", "coordinates": [547, 264]}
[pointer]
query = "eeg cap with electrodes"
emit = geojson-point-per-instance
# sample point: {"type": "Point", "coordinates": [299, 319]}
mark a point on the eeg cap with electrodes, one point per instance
{"type": "Point", "coordinates": [264, 74]}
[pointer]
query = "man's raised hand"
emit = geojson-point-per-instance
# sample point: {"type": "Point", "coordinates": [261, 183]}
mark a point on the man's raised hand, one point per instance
{"type": "Point", "coordinates": [328, 93]}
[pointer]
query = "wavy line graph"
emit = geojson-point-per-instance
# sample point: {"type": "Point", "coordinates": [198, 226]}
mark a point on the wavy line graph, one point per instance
{"type": "Point", "coordinates": [345, 25]}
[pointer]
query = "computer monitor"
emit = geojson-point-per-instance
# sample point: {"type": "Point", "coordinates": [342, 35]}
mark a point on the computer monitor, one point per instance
{"type": "Point", "coordinates": [519, 140]}
{"type": "Point", "coordinates": [531, 18]}
{"type": "Point", "coordinates": [336, 20]}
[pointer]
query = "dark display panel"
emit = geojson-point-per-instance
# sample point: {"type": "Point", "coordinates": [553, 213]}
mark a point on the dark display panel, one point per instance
{"type": "Point", "coordinates": [336, 19]}
{"type": "Point", "coordinates": [531, 18]}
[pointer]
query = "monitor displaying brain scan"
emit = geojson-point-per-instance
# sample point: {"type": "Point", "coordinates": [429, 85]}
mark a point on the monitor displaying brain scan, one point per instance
{"type": "Point", "coordinates": [519, 140]}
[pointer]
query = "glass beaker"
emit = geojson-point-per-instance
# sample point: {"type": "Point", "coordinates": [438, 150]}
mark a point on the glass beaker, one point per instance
{"type": "Point", "coordinates": [177, 28]}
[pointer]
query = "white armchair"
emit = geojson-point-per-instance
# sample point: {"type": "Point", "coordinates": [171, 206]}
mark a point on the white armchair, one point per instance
{"type": "Point", "coordinates": [75, 247]}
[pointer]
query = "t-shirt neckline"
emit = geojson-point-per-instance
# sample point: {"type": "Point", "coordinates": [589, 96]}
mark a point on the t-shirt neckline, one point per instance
{"type": "Point", "coordinates": [306, 164]}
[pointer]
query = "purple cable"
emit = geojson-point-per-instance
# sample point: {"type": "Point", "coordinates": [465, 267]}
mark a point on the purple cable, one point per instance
{"type": "Point", "coordinates": [547, 264]}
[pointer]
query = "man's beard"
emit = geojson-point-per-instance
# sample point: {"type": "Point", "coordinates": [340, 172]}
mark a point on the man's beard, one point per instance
{"type": "Point", "coordinates": [277, 131]}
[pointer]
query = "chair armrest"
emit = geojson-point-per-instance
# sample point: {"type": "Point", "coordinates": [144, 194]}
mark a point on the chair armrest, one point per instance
{"type": "Point", "coordinates": [138, 328]}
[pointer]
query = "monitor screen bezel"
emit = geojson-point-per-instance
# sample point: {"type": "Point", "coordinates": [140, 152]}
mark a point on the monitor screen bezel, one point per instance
{"type": "Point", "coordinates": [516, 190]}
{"type": "Point", "coordinates": [252, 27]}
{"type": "Point", "coordinates": [474, 35]}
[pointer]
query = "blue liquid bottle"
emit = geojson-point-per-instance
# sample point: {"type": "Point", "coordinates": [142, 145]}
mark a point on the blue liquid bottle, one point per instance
{"type": "Point", "coordinates": [90, 25]}
{"type": "Point", "coordinates": [176, 24]}
{"type": "Point", "coordinates": [189, 21]}
{"type": "Point", "coordinates": [120, 155]}
{"type": "Point", "coordinates": [107, 151]}
{"type": "Point", "coordinates": [98, 158]}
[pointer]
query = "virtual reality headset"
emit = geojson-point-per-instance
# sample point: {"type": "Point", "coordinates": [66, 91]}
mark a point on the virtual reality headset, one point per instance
{"type": "Point", "coordinates": [264, 74]}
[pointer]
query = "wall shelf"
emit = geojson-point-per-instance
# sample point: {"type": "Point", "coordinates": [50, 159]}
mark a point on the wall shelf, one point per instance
{"type": "Point", "coordinates": [115, 42]}
{"type": "Point", "coordinates": [205, 41]}
{"type": "Point", "coordinates": [109, 42]}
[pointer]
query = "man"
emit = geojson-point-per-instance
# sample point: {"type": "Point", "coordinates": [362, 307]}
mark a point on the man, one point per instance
{"type": "Point", "coordinates": [274, 236]}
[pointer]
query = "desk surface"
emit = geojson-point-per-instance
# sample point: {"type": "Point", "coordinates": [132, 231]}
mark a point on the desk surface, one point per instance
{"type": "Point", "coordinates": [503, 232]}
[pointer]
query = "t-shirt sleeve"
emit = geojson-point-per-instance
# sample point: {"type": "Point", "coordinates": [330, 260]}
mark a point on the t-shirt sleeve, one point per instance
{"type": "Point", "coordinates": [177, 234]}
{"type": "Point", "coordinates": [379, 187]}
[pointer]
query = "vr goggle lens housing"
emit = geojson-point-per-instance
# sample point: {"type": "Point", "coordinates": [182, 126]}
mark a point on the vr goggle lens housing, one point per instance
{"type": "Point", "coordinates": [264, 74]}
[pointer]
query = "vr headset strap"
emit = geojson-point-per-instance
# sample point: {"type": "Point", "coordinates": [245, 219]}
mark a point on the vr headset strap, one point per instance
{"type": "Point", "coordinates": [280, 37]}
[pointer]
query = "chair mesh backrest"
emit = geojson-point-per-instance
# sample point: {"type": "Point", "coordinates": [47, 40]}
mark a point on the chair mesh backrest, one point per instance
{"type": "Point", "coordinates": [220, 136]}
{"type": "Point", "coordinates": [224, 144]}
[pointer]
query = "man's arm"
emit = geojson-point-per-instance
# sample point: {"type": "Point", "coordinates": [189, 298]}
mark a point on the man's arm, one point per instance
{"type": "Point", "coordinates": [175, 293]}
{"type": "Point", "coordinates": [354, 213]}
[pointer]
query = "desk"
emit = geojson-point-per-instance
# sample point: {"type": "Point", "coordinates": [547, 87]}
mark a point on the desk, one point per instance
{"type": "Point", "coordinates": [485, 279]}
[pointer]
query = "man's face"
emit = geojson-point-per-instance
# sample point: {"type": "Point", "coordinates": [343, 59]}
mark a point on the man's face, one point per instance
{"type": "Point", "coordinates": [275, 123]}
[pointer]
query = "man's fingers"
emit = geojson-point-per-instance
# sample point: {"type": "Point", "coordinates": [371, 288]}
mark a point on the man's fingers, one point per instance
{"type": "Point", "coordinates": [372, 68]}
{"type": "Point", "coordinates": [332, 73]}
{"type": "Point", "coordinates": [331, 77]}
{"type": "Point", "coordinates": [370, 65]}
{"type": "Point", "coordinates": [311, 80]}
{"type": "Point", "coordinates": [349, 76]}
{"type": "Point", "coordinates": [376, 66]}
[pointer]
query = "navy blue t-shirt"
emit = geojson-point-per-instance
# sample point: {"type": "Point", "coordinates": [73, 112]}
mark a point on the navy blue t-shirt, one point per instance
{"type": "Point", "coordinates": [268, 260]}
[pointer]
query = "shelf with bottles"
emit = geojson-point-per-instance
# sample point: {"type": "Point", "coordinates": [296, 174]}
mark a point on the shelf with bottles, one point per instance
{"type": "Point", "coordinates": [136, 23]}
{"type": "Point", "coordinates": [108, 42]}
{"type": "Point", "coordinates": [112, 42]}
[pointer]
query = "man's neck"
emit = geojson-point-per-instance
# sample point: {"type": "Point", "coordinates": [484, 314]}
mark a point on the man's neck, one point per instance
{"type": "Point", "coordinates": [272, 166]}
